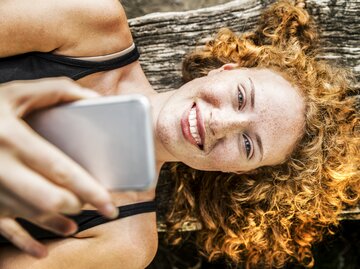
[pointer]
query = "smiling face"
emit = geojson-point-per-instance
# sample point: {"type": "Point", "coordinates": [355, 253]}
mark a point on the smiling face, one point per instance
{"type": "Point", "coordinates": [234, 121]}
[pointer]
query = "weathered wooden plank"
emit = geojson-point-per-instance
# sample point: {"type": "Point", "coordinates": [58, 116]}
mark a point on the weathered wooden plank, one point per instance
{"type": "Point", "coordinates": [136, 8]}
{"type": "Point", "coordinates": [164, 39]}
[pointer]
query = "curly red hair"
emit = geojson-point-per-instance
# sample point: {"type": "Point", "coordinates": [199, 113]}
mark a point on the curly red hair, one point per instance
{"type": "Point", "coordinates": [275, 215]}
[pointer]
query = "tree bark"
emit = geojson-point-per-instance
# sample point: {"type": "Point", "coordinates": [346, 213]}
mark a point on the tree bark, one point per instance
{"type": "Point", "coordinates": [164, 38]}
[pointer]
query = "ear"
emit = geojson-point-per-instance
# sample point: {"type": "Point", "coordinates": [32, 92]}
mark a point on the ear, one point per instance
{"type": "Point", "coordinates": [229, 66]}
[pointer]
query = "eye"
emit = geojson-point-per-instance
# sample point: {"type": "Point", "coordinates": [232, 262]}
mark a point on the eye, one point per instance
{"type": "Point", "coordinates": [240, 97]}
{"type": "Point", "coordinates": [247, 145]}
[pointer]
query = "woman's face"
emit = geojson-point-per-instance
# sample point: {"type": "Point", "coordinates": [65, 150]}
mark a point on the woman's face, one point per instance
{"type": "Point", "coordinates": [233, 120]}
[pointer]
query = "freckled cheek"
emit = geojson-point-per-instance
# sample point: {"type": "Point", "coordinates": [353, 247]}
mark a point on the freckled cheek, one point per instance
{"type": "Point", "coordinates": [269, 122]}
{"type": "Point", "coordinates": [224, 158]}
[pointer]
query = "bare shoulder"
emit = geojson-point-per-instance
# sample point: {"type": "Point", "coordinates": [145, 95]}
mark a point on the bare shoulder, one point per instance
{"type": "Point", "coordinates": [100, 14]}
{"type": "Point", "coordinates": [78, 28]}
{"type": "Point", "coordinates": [96, 28]}
{"type": "Point", "coordinates": [133, 241]}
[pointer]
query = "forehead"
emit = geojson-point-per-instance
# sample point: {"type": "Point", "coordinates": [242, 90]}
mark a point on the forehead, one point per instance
{"type": "Point", "coordinates": [278, 112]}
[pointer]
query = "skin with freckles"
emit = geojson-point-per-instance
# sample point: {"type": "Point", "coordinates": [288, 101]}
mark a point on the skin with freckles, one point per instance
{"type": "Point", "coordinates": [250, 118]}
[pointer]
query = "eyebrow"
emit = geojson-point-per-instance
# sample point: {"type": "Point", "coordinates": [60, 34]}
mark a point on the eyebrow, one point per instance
{"type": "Point", "coordinates": [252, 93]}
{"type": "Point", "coordinates": [257, 137]}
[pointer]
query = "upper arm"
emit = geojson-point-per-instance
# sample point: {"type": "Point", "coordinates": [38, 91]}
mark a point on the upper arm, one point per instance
{"type": "Point", "coordinates": [78, 28]}
{"type": "Point", "coordinates": [131, 242]}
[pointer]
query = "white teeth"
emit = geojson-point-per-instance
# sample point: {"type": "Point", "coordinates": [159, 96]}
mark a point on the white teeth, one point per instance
{"type": "Point", "coordinates": [193, 126]}
{"type": "Point", "coordinates": [193, 130]}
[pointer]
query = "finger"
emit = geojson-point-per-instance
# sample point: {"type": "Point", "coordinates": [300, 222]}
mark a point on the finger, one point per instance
{"type": "Point", "coordinates": [56, 223]}
{"type": "Point", "coordinates": [53, 222]}
{"type": "Point", "coordinates": [53, 164]}
{"type": "Point", "coordinates": [11, 206]}
{"type": "Point", "coordinates": [13, 232]}
{"type": "Point", "coordinates": [33, 189]}
{"type": "Point", "coordinates": [30, 95]}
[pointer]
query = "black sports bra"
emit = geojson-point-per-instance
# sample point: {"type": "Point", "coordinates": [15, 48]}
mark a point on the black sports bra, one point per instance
{"type": "Point", "coordinates": [35, 65]}
{"type": "Point", "coordinates": [86, 220]}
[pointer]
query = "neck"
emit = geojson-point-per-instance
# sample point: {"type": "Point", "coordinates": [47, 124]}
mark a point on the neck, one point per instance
{"type": "Point", "coordinates": [157, 101]}
{"type": "Point", "coordinates": [128, 80]}
{"type": "Point", "coordinates": [133, 80]}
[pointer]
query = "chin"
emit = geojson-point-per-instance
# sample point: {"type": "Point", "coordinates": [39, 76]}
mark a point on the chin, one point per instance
{"type": "Point", "coordinates": [167, 134]}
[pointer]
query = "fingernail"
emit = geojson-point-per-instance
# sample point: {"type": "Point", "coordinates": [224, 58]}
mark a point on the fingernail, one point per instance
{"type": "Point", "coordinates": [72, 229]}
{"type": "Point", "coordinates": [110, 211]}
{"type": "Point", "coordinates": [65, 228]}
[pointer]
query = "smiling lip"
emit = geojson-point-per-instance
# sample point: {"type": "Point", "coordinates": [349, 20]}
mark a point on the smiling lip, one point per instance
{"type": "Point", "coordinates": [185, 127]}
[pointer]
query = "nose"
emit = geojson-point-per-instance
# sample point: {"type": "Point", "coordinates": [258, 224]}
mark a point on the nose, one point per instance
{"type": "Point", "coordinates": [224, 123]}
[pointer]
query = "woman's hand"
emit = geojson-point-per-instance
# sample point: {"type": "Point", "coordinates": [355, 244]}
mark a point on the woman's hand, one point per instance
{"type": "Point", "coordinates": [37, 181]}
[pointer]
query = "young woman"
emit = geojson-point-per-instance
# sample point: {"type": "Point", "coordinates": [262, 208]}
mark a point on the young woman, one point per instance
{"type": "Point", "coordinates": [266, 128]}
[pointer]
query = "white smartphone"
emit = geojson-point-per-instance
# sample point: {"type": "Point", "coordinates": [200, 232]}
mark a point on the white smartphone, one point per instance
{"type": "Point", "coordinates": [111, 137]}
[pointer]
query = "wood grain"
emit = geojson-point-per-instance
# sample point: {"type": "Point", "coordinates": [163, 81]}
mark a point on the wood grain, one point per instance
{"type": "Point", "coordinates": [164, 38]}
